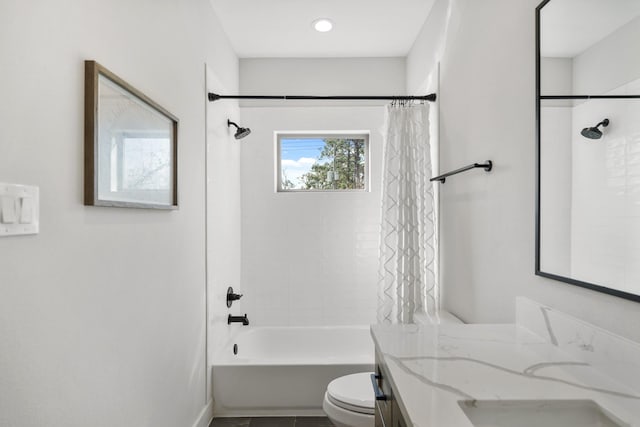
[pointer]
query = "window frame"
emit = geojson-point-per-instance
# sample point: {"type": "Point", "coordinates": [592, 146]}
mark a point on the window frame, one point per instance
{"type": "Point", "coordinates": [365, 134]}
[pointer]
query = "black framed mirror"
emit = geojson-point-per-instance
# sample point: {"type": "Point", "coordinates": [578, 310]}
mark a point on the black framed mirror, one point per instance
{"type": "Point", "coordinates": [588, 144]}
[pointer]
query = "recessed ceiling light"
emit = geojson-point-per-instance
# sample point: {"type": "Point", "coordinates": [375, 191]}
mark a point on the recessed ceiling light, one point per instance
{"type": "Point", "coordinates": [322, 25]}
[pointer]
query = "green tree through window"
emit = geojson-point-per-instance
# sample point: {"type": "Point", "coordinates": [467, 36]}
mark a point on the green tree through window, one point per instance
{"type": "Point", "coordinates": [344, 168]}
{"type": "Point", "coordinates": [322, 162]}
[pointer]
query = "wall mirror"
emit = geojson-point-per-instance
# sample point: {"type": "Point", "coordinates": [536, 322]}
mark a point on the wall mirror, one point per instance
{"type": "Point", "coordinates": [130, 145]}
{"type": "Point", "coordinates": [588, 152]}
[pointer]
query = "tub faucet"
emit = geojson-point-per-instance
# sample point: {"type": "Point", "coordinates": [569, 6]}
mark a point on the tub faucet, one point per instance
{"type": "Point", "coordinates": [238, 319]}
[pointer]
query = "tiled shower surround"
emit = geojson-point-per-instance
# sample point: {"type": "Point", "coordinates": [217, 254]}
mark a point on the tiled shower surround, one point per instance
{"type": "Point", "coordinates": [308, 259]}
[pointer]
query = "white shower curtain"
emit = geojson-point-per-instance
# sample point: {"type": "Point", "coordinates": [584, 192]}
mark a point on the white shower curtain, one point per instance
{"type": "Point", "coordinates": [407, 284]}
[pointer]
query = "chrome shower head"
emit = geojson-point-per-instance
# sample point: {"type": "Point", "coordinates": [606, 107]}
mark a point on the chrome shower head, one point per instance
{"type": "Point", "coordinates": [594, 132]}
{"type": "Point", "coordinates": [240, 132]}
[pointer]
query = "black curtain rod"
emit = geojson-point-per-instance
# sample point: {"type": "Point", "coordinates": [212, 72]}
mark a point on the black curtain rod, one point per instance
{"type": "Point", "coordinates": [430, 97]}
{"type": "Point", "coordinates": [589, 96]}
{"type": "Point", "coordinates": [487, 166]}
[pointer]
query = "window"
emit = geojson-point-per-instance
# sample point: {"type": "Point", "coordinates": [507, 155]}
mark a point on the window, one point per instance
{"type": "Point", "coordinates": [323, 162]}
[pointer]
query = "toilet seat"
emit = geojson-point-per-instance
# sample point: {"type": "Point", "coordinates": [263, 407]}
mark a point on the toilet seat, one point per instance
{"type": "Point", "coordinates": [352, 393]}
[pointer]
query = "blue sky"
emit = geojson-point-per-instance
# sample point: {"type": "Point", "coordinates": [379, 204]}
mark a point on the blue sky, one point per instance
{"type": "Point", "coordinates": [298, 155]}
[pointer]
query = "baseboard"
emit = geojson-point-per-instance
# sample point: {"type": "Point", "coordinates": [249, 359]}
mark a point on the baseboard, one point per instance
{"type": "Point", "coordinates": [205, 417]}
{"type": "Point", "coordinates": [244, 413]}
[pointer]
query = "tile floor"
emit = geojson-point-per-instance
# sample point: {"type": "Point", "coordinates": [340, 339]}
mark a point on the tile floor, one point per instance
{"type": "Point", "coordinates": [272, 422]}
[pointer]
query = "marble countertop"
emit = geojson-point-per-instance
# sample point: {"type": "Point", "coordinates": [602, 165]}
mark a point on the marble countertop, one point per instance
{"type": "Point", "coordinates": [433, 367]}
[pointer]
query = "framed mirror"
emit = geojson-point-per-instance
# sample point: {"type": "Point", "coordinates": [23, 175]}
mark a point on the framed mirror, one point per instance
{"type": "Point", "coordinates": [131, 145]}
{"type": "Point", "coordinates": [588, 144]}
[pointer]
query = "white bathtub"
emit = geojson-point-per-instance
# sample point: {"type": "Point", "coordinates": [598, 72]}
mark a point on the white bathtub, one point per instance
{"type": "Point", "coordinates": [285, 370]}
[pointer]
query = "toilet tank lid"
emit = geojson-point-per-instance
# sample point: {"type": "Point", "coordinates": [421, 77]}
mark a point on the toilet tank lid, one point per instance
{"type": "Point", "coordinates": [354, 389]}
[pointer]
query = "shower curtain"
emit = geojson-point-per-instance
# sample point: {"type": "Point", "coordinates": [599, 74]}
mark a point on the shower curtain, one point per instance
{"type": "Point", "coordinates": [407, 282]}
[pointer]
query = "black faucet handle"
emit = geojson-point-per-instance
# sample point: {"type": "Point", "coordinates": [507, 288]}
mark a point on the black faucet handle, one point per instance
{"type": "Point", "coordinates": [231, 296]}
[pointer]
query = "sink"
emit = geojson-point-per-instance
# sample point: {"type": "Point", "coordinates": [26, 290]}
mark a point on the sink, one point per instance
{"type": "Point", "coordinates": [536, 413]}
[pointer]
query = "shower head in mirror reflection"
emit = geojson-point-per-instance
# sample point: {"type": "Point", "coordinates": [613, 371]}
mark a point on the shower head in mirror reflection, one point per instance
{"type": "Point", "coordinates": [583, 76]}
{"type": "Point", "coordinates": [594, 132]}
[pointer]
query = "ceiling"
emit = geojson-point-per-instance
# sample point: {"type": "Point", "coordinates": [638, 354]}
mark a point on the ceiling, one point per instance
{"type": "Point", "coordinates": [569, 27]}
{"type": "Point", "coordinates": [282, 28]}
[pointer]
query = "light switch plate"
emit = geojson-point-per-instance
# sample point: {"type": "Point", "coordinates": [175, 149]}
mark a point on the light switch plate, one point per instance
{"type": "Point", "coordinates": [19, 209]}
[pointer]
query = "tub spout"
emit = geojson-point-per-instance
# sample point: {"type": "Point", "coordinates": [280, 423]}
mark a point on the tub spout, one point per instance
{"type": "Point", "coordinates": [238, 319]}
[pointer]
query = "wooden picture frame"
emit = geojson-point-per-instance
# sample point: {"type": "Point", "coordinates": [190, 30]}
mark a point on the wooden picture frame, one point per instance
{"type": "Point", "coordinates": [130, 143]}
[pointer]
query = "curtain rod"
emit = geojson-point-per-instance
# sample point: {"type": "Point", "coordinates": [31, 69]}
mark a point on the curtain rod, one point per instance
{"type": "Point", "coordinates": [430, 97]}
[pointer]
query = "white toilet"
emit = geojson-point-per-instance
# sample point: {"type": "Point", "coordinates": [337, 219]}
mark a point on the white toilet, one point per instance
{"type": "Point", "coordinates": [349, 401]}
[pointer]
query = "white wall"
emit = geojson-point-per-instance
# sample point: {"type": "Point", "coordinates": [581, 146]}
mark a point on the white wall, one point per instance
{"type": "Point", "coordinates": [428, 48]}
{"type": "Point", "coordinates": [223, 216]}
{"type": "Point", "coordinates": [556, 78]}
{"type": "Point", "coordinates": [311, 259]}
{"type": "Point", "coordinates": [610, 63]}
{"type": "Point", "coordinates": [321, 76]}
{"type": "Point", "coordinates": [102, 315]}
{"type": "Point", "coordinates": [487, 111]}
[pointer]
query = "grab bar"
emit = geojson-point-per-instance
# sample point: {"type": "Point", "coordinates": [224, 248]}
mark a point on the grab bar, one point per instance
{"type": "Point", "coordinates": [376, 390]}
{"type": "Point", "coordinates": [487, 166]}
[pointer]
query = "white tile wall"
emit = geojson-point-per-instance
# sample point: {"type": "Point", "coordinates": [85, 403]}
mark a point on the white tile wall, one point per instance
{"type": "Point", "coordinates": [606, 175]}
{"type": "Point", "coordinates": [606, 195]}
{"type": "Point", "coordinates": [555, 190]}
{"type": "Point", "coordinates": [308, 259]}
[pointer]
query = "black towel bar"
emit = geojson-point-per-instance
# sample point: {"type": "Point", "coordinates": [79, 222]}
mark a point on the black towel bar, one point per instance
{"type": "Point", "coordinates": [487, 166]}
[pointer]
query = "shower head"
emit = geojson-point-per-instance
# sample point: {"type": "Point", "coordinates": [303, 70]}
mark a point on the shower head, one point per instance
{"type": "Point", "coordinates": [594, 132]}
{"type": "Point", "coordinates": [240, 132]}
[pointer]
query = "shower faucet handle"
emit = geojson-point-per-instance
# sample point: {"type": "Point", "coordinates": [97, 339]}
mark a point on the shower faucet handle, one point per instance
{"type": "Point", "coordinates": [231, 297]}
{"type": "Point", "coordinates": [234, 297]}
